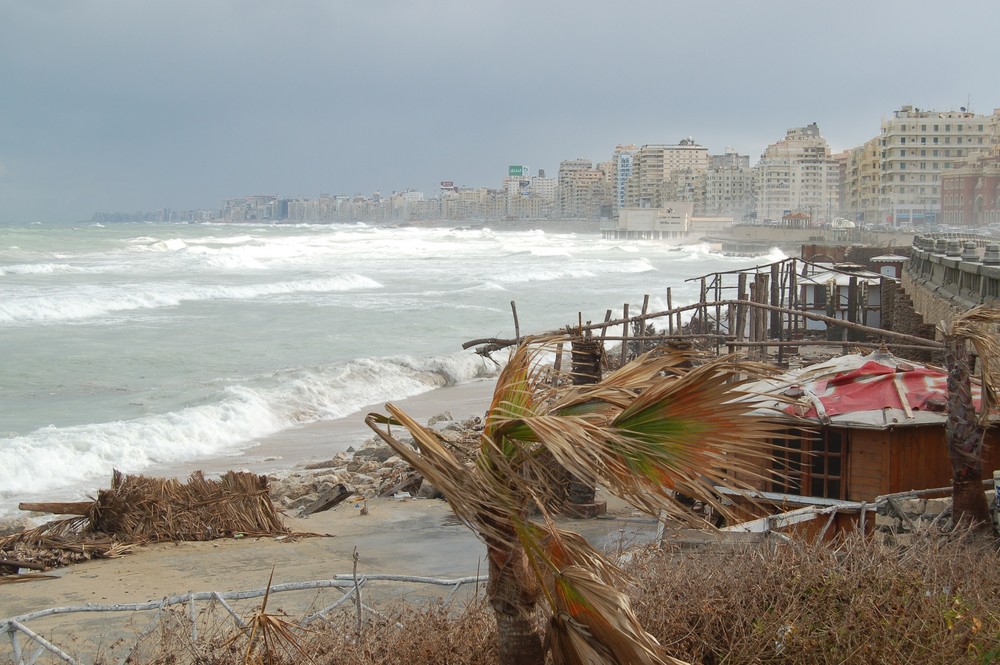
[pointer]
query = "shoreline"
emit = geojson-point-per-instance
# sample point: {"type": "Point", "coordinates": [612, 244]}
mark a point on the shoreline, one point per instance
{"type": "Point", "coordinates": [292, 449]}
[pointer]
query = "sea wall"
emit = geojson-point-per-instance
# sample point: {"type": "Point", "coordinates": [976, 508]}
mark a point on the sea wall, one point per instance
{"type": "Point", "coordinates": [946, 277]}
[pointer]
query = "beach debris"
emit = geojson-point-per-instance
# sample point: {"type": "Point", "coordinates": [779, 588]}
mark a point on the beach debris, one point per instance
{"type": "Point", "coordinates": [327, 499]}
{"type": "Point", "coordinates": [138, 509]}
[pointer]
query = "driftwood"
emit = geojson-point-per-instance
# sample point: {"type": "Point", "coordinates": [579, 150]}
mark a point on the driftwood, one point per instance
{"type": "Point", "coordinates": [327, 499]}
{"type": "Point", "coordinates": [30, 565]}
{"type": "Point", "coordinates": [71, 508]}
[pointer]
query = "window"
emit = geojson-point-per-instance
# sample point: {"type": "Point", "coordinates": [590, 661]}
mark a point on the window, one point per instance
{"type": "Point", "coordinates": [812, 465]}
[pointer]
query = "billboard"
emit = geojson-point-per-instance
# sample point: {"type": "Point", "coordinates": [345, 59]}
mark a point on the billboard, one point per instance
{"type": "Point", "coordinates": [515, 171]}
{"type": "Point", "coordinates": [447, 184]}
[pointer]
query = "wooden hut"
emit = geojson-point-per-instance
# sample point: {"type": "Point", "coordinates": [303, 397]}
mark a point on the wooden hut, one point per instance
{"type": "Point", "coordinates": [863, 426]}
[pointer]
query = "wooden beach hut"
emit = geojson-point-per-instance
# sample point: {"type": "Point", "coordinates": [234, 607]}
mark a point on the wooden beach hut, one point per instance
{"type": "Point", "coordinates": [860, 427]}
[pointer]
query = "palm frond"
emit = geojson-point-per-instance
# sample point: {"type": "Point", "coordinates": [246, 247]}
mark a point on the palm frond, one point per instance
{"type": "Point", "coordinates": [594, 623]}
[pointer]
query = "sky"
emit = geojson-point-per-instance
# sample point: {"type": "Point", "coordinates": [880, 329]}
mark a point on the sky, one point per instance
{"type": "Point", "coordinates": [120, 106]}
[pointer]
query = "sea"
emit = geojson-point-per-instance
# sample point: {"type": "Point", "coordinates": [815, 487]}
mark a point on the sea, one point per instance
{"type": "Point", "coordinates": [150, 347]}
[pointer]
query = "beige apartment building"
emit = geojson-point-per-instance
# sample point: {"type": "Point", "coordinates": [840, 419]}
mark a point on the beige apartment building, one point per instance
{"type": "Point", "coordinates": [653, 167]}
{"type": "Point", "coordinates": [862, 182]}
{"type": "Point", "coordinates": [582, 189]}
{"type": "Point", "coordinates": [797, 174]}
{"type": "Point", "coordinates": [916, 147]}
{"type": "Point", "coordinates": [729, 186]}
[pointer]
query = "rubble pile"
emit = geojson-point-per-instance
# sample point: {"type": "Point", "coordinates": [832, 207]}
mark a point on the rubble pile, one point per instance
{"type": "Point", "coordinates": [372, 470]}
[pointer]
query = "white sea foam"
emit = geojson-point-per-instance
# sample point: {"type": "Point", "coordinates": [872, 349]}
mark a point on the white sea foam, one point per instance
{"type": "Point", "coordinates": [54, 457]}
{"type": "Point", "coordinates": [98, 301]}
{"type": "Point", "coordinates": [42, 269]}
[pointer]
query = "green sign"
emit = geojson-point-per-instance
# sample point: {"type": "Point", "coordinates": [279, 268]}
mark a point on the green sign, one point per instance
{"type": "Point", "coordinates": [515, 171]}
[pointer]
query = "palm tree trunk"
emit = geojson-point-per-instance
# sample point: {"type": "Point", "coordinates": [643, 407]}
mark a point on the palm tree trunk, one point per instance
{"type": "Point", "coordinates": [965, 439]}
{"type": "Point", "coordinates": [513, 591]}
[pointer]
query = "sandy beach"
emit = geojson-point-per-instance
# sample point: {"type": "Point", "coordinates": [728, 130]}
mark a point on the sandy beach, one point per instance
{"type": "Point", "coordinates": [402, 537]}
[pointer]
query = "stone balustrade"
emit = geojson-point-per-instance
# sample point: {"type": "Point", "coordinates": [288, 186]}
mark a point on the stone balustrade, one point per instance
{"type": "Point", "coordinates": [956, 270]}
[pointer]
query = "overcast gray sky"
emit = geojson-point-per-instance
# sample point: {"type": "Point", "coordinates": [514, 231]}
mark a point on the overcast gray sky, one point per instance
{"type": "Point", "coordinates": [122, 105]}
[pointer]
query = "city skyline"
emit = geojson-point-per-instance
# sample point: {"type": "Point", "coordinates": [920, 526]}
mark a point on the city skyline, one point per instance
{"type": "Point", "coordinates": [111, 106]}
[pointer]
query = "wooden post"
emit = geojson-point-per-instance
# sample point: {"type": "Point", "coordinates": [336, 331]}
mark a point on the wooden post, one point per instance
{"type": "Point", "coordinates": [775, 332]}
{"type": "Point", "coordinates": [718, 312]}
{"type": "Point", "coordinates": [642, 323]}
{"type": "Point", "coordinates": [670, 307]}
{"type": "Point", "coordinates": [741, 310]}
{"type": "Point", "coordinates": [517, 326]}
{"type": "Point", "coordinates": [557, 364]}
{"type": "Point", "coordinates": [581, 495]}
{"type": "Point", "coordinates": [852, 306]}
{"type": "Point", "coordinates": [730, 322]}
{"type": "Point", "coordinates": [793, 299]}
{"type": "Point", "coordinates": [625, 336]}
{"type": "Point", "coordinates": [703, 309]}
{"type": "Point", "coordinates": [604, 328]}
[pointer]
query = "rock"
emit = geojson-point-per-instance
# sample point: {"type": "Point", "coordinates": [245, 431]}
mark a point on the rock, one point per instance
{"type": "Point", "coordinates": [914, 507]}
{"type": "Point", "coordinates": [363, 479]}
{"type": "Point", "coordinates": [8, 527]}
{"type": "Point", "coordinates": [434, 420]}
{"type": "Point", "coordinates": [886, 522]}
{"type": "Point", "coordinates": [935, 507]}
{"type": "Point", "coordinates": [303, 501]}
{"type": "Point", "coordinates": [428, 491]}
{"type": "Point", "coordinates": [588, 510]}
{"type": "Point", "coordinates": [375, 453]}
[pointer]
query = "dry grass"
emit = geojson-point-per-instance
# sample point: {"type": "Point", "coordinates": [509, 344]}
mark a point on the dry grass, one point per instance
{"type": "Point", "coordinates": [933, 601]}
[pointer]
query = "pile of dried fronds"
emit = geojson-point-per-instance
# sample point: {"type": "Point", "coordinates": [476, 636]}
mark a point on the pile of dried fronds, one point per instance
{"type": "Point", "coordinates": [137, 509]}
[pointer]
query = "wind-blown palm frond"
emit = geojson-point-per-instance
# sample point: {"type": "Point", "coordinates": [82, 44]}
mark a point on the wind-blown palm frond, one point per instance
{"type": "Point", "coordinates": [593, 623]}
{"type": "Point", "coordinates": [649, 430]}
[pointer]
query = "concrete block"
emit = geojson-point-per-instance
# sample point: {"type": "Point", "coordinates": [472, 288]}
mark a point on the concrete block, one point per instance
{"type": "Point", "coordinates": [935, 507]}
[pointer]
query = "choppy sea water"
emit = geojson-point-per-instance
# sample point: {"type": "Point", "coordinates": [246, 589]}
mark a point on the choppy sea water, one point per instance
{"type": "Point", "coordinates": [134, 346]}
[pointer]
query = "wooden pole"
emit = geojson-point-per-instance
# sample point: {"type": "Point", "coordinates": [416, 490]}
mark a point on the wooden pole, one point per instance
{"type": "Point", "coordinates": [517, 326]}
{"type": "Point", "coordinates": [642, 320]}
{"type": "Point", "coordinates": [625, 325]}
{"type": "Point", "coordinates": [775, 297]}
{"type": "Point", "coordinates": [670, 306]}
{"type": "Point", "coordinates": [604, 328]}
{"type": "Point", "coordinates": [741, 310]}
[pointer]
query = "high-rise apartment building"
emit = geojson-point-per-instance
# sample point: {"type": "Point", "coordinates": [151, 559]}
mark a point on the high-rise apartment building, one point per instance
{"type": "Point", "coordinates": [622, 161]}
{"type": "Point", "coordinates": [652, 168]}
{"type": "Point", "coordinates": [797, 174]}
{"type": "Point", "coordinates": [728, 186]}
{"type": "Point", "coordinates": [580, 185]}
{"type": "Point", "coordinates": [916, 147]}
{"type": "Point", "coordinates": [862, 182]}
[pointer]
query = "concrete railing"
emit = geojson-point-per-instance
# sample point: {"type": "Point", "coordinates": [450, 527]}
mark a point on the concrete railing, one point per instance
{"type": "Point", "coordinates": [964, 271]}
